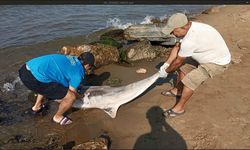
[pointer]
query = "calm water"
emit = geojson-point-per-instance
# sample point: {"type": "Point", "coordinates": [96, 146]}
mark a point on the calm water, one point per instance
{"type": "Point", "coordinates": [26, 25]}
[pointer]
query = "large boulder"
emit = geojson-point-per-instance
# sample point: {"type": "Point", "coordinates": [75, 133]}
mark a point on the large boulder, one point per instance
{"type": "Point", "coordinates": [145, 31]}
{"type": "Point", "coordinates": [143, 50]}
{"type": "Point", "coordinates": [109, 41]}
{"type": "Point", "coordinates": [151, 32]}
{"type": "Point", "coordinates": [115, 34]}
{"type": "Point", "coordinates": [104, 54]}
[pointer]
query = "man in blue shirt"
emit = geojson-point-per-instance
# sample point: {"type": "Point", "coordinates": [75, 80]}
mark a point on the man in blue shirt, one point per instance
{"type": "Point", "coordinates": [56, 77]}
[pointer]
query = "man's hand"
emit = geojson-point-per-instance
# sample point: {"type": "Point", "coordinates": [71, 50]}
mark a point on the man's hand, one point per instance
{"type": "Point", "coordinates": [164, 66]}
{"type": "Point", "coordinates": [163, 73]}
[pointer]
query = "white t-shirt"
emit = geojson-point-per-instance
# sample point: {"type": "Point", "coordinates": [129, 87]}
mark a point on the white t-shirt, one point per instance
{"type": "Point", "coordinates": [205, 45]}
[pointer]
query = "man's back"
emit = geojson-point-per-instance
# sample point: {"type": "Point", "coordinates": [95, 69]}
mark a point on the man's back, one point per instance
{"type": "Point", "coordinates": [205, 44]}
{"type": "Point", "coordinates": [66, 70]}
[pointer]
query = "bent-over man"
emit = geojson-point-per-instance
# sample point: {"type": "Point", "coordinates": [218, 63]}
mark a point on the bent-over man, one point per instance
{"type": "Point", "coordinates": [56, 77]}
{"type": "Point", "coordinates": [202, 43]}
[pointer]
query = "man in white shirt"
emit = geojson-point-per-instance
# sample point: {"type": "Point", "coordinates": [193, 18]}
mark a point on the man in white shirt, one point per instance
{"type": "Point", "coordinates": [202, 43]}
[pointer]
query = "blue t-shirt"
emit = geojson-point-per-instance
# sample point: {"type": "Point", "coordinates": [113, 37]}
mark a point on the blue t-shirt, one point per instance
{"type": "Point", "coordinates": [66, 70]}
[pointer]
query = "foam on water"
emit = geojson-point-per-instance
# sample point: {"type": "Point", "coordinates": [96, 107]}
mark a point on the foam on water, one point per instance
{"type": "Point", "coordinates": [7, 87]}
{"type": "Point", "coordinates": [147, 20]}
{"type": "Point", "coordinates": [116, 22]}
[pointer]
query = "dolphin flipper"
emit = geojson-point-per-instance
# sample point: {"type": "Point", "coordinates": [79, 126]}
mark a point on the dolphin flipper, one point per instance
{"type": "Point", "coordinates": [111, 111]}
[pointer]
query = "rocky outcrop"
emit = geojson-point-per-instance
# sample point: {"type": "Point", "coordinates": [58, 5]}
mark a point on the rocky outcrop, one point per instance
{"type": "Point", "coordinates": [104, 54]}
{"type": "Point", "coordinates": [115, 45]}
{"type": "Point", "coordinates": [151, 32]}
{"type": "Point", "coordinates": [145, 31]}
{"type": "Point", "coordinates": [143, 50]}
{"type": "Point", "coordinates": [115, 34]}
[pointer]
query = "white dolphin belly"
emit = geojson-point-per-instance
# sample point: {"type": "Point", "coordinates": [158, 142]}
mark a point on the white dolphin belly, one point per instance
{"type": "Point", "coordinates": [110, 99]}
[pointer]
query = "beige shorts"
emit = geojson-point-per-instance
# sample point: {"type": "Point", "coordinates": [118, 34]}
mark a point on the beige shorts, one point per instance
{"type": "Point", "coordinates": [195, 76]}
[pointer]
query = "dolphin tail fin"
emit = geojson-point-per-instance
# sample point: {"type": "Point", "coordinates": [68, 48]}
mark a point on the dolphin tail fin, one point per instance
{"type": "Point", "coordinates": [111, 111]}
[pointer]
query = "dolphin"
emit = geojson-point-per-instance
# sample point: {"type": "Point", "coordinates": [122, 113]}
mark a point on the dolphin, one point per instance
{"type": "Point", "coordinates": [109, 99]}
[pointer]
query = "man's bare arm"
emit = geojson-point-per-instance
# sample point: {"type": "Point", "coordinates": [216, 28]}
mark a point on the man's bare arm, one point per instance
{"type": "Point", "coordinates": [174, 53]}
{"type": "Point", "coordinates": [74, 91]}
{"type": "Point", "coordinates": [175, 64]}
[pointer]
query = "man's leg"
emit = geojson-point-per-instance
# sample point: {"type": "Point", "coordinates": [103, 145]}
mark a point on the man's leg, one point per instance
{"type": "Point", "coordinates": [186, 94]}
{"type": "Point", "coordinates": [65, 105]}
{"type": "Point", "coordinates": [190, 81]}
{"type": "Point", "coordinates": [37, 106]}
{"type": "Point", "coordinates": [177, 90]}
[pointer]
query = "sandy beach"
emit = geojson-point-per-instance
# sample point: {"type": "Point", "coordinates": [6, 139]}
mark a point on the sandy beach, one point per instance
{"type": "Point", "coordinates": [217, 115]}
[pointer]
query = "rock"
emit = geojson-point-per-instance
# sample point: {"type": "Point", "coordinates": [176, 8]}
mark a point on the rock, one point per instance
{"type": "Point", "coordinates": [95, 36]}
{"type": "Point", "coordinates": [139, 51]}
{"type": "Point", "coordinates": [141, 70]}
{"type": "Point", "coordinates": [74, 50]}
{"type": "Point", "coordinates": [144, 50]}
{"type": "Point", "coordinates": [115, 34]}
{"type": "Point", "coordinates": [53, 141]}
{"type": "Point", "coordinates": [23, 138]}
{"type": "Point", "coordinates": [113, 38]}
{"type": "Point", "coordinates": [109, 41]}
{"type": "Point", "coordinates": [156, 20]}
{"type": "Point", "coordinates": [151, 32]}
{"type": "Point", "coordinates": [19, 138]}
{"type": "Point", "coordinates": [102, 142]}
{"type": "Point", "coordinates": [162, 51]}
{"type": "Point", "coordinates": [136, 32]}
{"type": "Point", "coordinates": [104, 54]}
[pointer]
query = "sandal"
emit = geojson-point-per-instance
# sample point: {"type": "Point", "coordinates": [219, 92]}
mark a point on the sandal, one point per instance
{"type": "Point", "coordinates": [169, 93]}
{"type": "Point", "coordinates": [64, 121]}
{"type": "Point", "coordinates": [33, 112]}
{"type": "Point", "coordinates": [171, 113]}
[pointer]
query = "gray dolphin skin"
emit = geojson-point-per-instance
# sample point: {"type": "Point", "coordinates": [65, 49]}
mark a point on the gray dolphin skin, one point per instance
{"type": "Point", "coordinates": [109, 99]}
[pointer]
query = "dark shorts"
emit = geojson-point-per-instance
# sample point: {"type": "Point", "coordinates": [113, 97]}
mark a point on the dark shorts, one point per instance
{"type": "Point", "coordinates": [50, 90]}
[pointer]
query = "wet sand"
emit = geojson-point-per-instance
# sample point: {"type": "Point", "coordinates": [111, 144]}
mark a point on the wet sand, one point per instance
{"type": "Point", "coordinates": [217, 115]}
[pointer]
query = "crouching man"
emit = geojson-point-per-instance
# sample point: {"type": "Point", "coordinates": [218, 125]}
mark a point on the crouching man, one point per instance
{"type": "Point", "coordinates": [202, 43]}
{"type": "Point", "coordinates": [56, 77]}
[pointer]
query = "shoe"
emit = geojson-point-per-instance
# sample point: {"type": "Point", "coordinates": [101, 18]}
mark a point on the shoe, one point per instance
{"type": "Point", "coordinates": [33, 112]}
{"type": "Point", "coordinates": [169, 93]}
{"type": "Point", "coordinates": [171, 113]}
{"type": "Point", "coordinates": [64, 121]}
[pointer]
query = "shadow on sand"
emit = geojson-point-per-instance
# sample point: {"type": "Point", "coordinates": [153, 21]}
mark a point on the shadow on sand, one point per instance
{"type": "Point", "coordinates": [162, 135]}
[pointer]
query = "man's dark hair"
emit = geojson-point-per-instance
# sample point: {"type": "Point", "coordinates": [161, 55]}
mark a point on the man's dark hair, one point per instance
{"type": "Point", "coordinates": [87, 58]}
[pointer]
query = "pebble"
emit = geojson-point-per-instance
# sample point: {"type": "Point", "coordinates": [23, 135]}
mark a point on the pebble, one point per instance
{"type": "Point", "coordinates": [141, 70]}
